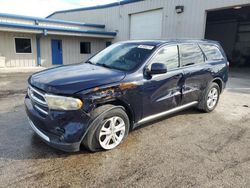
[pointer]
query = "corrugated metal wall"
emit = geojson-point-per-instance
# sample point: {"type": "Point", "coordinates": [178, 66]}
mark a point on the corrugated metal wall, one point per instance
{"type": "Point", "coordinates": [7, 49]}
{"type": "Point", "coordinates": [190, 24]}
{"type": "Point", "coordinates": [70, 49]}
{"type": "Point", "coordinates": [70, 41]}
{"type": "Point", "coordinates": [70, 45]}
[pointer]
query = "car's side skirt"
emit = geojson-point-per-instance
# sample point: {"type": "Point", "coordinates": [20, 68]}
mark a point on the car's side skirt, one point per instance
{"type": "Point", "coordinates": [171, 111]}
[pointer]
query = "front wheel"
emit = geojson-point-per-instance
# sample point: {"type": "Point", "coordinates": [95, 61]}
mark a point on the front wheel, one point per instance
{"type": "Point", "coordinates": [112, 132]}
{"type": "Point", "coordinates": [210, 98]}
{"type": "Point", "coordinates": [110, 127]}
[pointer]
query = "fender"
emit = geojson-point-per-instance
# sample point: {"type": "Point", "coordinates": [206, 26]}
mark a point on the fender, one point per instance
{"type": "Point", "coordinates": [97, 118]}
{"type": "Point", "coordinates": [108, 94]}
{"type": "Point", "coordinates": [221, 83]}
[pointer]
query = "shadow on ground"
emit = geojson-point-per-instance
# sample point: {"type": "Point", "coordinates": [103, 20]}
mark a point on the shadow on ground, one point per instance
{"type": "Point", "coordinates": [19, 142]}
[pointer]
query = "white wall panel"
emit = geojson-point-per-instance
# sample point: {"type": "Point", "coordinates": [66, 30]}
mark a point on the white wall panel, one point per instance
{"type": "Point", "coordinates": [71, 49]}
{"type": "Point", "coordinates": [7, 49]}
{"type": "Point", "coordinates": [190, 24]}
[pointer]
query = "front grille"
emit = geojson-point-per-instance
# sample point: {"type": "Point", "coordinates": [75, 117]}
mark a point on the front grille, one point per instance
{"type": "Point", "coordinates": [38, 99]}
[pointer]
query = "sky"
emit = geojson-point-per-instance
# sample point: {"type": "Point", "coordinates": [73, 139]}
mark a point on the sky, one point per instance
{"type": "Point", "coordinates": [42, 8]}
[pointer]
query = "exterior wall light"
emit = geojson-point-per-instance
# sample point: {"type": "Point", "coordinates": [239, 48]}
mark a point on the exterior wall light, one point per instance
{"type": "Point", "coordinates": [45, 32]}
{"type": "Point", "coordinates": [179, 9]}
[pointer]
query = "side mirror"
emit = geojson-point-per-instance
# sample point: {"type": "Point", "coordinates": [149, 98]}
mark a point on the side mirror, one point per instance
{"type": "Point", "coordinates": [157, 68]}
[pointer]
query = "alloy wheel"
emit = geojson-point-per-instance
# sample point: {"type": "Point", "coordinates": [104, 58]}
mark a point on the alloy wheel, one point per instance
{"type": "Point", "coordinates": [112, 132]}
{"type": "Point", "coordinates": [212, 98]}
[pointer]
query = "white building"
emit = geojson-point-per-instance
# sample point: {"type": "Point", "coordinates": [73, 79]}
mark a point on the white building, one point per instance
{"type": "Point", "coordinates": [227, 21]}
{"type": "Point", "coordinates": [28, 41]}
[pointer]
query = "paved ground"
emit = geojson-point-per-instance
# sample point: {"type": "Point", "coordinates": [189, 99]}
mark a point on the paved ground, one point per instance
{"type": "Point", "coordinates": [239, 80]}
{"type": "Point", "coordinates": [190, 149]}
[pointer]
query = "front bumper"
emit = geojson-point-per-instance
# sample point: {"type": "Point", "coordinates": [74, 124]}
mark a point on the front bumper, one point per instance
{"type": "Point", "coordinates": [70, 147]}
{"type": "Point", "coordinates": [63, 130]}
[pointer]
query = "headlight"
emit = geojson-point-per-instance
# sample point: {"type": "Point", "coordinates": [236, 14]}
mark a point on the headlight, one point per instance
{"type": "Point", "coordinates": [63, 103]}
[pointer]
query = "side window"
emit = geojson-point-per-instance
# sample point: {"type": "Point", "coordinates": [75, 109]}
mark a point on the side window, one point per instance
{"type": "Point", "coordinates": [169, 56]}
{"type": "Point", "coordinates": [211, 52]}
{"type": "Point", "coordinates": [190, 54]}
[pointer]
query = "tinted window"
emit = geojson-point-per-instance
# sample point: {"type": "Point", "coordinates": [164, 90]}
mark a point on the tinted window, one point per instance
{"type": "Point", "coordinates": [211, 52]}
{"type": "Point", "coordinates": [169, 56]}
{"type": "Point", "coordinates": [123, 56]}
{"type": "Point", "coordinates": [190, 54]}
{"type": "Point", "coordinates": [23, 45]}
{"type": "Point", "coordinates": [85, 47]}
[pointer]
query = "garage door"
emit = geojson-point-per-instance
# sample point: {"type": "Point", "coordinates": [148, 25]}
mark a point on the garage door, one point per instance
{"type": "Point", "coordinates": [231, 27]}
{"type": "Point", "coordinates": [146, 25]}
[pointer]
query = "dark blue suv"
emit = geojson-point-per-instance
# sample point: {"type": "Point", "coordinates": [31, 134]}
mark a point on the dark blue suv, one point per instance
{"type": "Point", "coordinates": [98, 102]}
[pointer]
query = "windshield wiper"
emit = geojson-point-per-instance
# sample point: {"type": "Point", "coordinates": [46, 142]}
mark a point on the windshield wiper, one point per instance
{"type": "Point", "coordinates": [89, 62]}
{"type": "Point", "coordinates": [104, 65]}
{"type": "Point", "coordinates": [99, 64]}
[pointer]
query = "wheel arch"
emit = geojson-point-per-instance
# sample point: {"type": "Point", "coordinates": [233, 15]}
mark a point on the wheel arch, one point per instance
{"type": "Point", "coordinates": [97, 115]}
{"type": "Point", "coordinates": [125, 105]}
{"type": "Point", "coordinates": [218, 81]}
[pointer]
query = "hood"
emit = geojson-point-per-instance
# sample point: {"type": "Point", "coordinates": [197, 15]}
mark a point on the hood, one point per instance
{"type": "Point", "coordinates": [70, 79]}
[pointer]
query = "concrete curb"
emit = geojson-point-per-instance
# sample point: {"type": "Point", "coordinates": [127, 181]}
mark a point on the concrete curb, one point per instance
{"type": "Point", "coordinates": [21, 69]}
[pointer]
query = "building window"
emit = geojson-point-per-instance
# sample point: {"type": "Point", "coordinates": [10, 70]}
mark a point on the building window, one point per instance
{"type": "Point", "coordinates": [108, 43]}
{"type": "Point", "coordinates": [23, 45]}
{"type": "Point", "coordinates": [85, 47]}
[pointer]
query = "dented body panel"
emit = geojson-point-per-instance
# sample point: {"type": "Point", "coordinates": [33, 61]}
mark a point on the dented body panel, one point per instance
{"type": "Point", "coordinates": [141, 95]}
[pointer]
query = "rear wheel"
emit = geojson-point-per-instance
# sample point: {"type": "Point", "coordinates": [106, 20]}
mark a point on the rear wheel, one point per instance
{"type": "Point", "coordinates": [108, 130]}
{"type": "Point", "coordinates": [210, 98]}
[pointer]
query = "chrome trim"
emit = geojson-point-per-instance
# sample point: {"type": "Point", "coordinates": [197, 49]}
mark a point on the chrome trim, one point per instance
{"type": "Point", "coordinates": [32, 96]}
{"type": "Point", "coordinates": [155, 116]}
{"type": "Point", "coordinates": [41, 110]}
{"type": "Point", "coordinates": [38, 100]}
{"type": "Point", "coordinates": [37, 131]}
{"type": "Point", "coordinates": [37, 91]}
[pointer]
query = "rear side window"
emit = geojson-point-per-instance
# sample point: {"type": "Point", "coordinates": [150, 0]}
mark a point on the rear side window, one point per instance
{"type": "Point", "coordinates": [190, 54]}
{"type": "Point", "coordinates": [169, 56]}
{"type": "Point", "coordinates": [211, 52]}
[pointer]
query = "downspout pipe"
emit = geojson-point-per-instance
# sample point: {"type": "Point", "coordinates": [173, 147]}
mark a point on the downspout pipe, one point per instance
{"type": "Point", "coordinates": [38, 49]}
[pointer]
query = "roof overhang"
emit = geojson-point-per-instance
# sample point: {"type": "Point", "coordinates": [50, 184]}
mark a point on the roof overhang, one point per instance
{"type": "Point", "coordinates": [55, 21]}
{"type": "Point", "coordinates": [45, 30]}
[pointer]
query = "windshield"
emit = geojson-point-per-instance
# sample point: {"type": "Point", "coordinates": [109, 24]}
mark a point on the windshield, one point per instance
{"type": "Point", "coordinates": [123, 56]}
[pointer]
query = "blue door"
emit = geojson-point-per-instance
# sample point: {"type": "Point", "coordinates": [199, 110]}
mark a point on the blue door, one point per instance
{"type": "Point", "coordinates": [56, 46]}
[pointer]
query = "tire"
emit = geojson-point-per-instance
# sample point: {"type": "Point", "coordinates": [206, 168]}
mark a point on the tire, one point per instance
{"type": "Point", "coordinates": [104, 134]}
{"type": "Point", "coordinates": [210, 96]}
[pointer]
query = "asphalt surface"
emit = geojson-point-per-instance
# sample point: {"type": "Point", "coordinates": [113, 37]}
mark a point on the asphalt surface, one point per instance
{"type": "Point", "coordinates": [189, 149]}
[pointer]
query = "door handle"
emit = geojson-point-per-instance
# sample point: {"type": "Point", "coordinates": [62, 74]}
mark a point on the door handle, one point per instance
{"type": "Point", "coordinates": [188, 64]}
{"type": "Point", "coordinates": [178, 76]}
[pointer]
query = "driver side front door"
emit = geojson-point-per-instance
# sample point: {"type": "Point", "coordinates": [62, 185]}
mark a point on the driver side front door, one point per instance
{"type": "Point", "coordinates": [162, 92]}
